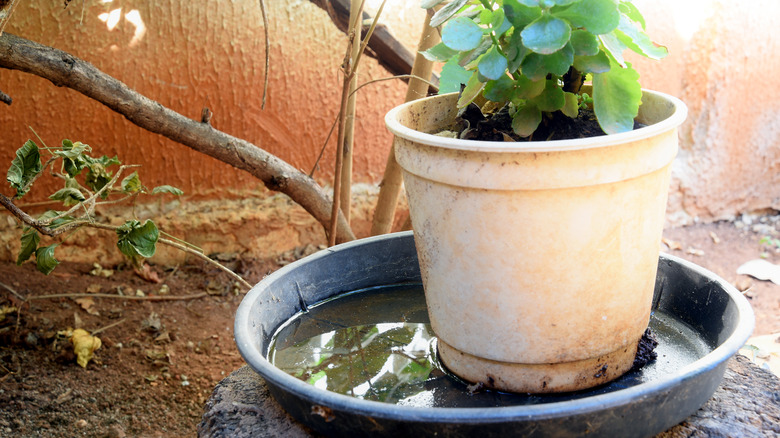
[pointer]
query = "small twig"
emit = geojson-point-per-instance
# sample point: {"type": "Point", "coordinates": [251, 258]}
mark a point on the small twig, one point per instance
{"type": "Point", "coordinates": [7, 287]}
{"type": "Point", "coordinates": [122, 297]}
{"type": "Point", "coordinates": [204, 257]}
{"type": "Point", "coordinates": [325, 145]}
{"type": "Point", "coordinates": [267, 54]}
{"type": "Point", "coordinates": [102, 329]}
{"type": "Point", "coordinates": [394, 77]}
{"type": "Point", "coordinates": [6, 99]}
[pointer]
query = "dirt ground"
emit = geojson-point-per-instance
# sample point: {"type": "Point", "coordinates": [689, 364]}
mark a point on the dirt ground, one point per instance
{"type": "Point", "coordinates": [160, 360]}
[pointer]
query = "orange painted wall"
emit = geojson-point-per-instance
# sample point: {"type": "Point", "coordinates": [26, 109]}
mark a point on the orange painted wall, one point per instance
{"type": "Point", "coordinates": [723, 55]}
{"type": "Point", "coordinates": [188, 55]}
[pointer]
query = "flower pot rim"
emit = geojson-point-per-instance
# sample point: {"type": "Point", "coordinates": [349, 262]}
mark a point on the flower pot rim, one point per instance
{"type": "Point", "coordinates": [672, 122]}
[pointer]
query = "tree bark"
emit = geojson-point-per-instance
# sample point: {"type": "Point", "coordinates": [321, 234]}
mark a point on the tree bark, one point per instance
{"type": "Point", "coordinates": [66, 70]}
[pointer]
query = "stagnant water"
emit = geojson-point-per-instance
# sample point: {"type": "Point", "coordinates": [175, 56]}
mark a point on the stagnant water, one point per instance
{"type": "Point", "coordinates": [377, 345]}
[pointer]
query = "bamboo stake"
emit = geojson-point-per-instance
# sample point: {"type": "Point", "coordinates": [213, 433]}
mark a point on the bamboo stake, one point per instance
{"type": "Point", "coordinates": [355, 16]}
{"type": "Point", "coordinates": [390, 187]}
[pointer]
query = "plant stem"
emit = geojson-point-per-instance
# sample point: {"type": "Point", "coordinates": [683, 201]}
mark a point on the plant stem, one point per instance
{"type": "Point", "coordinates": [5, 13]}
{"type": "Point", "coordinates": [356, 13]}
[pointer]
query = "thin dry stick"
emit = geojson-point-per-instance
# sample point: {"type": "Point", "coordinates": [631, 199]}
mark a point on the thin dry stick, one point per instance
{"type": "Point", "coordinates": [336, 121]}
{"type": "Point", "coordinates": [5, 13]}
{"type": "Point", "coordinates": [390, 188]}
{"type": "Point", "coordinates": [9, 289]}
{"type": "Point", "coordinates": [202, 256]}
{"type": "Point", "coordinates": [267, 54]}
{"type": "Point", "coordinates": [349, 71]}
{"type": "Point", "coordinates": [102, 329]}
{"type": "Point", "coordinates": [122, 297]}
{"type": "Point", "coordinates": [349, 66]}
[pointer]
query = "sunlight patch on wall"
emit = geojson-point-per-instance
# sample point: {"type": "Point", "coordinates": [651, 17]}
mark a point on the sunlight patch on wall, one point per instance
{"type": "Point", "coordinates": [113, 17]}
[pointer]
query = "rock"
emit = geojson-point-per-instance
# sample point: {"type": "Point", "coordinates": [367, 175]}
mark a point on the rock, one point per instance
{"type": "Point", "coordinates": [746, 404]}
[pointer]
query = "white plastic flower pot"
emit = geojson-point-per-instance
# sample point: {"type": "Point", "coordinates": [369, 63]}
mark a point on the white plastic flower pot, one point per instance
{"type": "Point", "coordinates": [538, 259]}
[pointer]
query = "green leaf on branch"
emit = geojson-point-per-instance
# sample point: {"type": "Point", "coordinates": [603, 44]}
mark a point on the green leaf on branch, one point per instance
{"type": "Point", "coordinates": [68, 196]}
{"type": "Point", "coordinates": [516, 52]}
{"type": "Point", "coordinates": [473, 87]}
{"type": "Point", "coordinates": [614, 47]}
{"type": "Point", "coordinates": [592, 64]}
{"type": "Point", "coordinates": [48, 215]}
{"type": "Point", "coordinates": [552, 98]}
{"type": "Point", "coordinates": [528, 89]}
{"type": "Point", "coordinates": [499, 90]}
{"type": "Point", "coordinates": [44, 259]}
{"type": "Point", "coordinates": [584, 43]}
{"type": "Point", "coordinates": [616, 98]}
{"type": "Point", "coordinates": [632, 12]}
{"type": "Point", "coordinates": [30, 240]}
{"type": "Point", "coordinates": [167, 189]}
{"type": "Point", "coordinates": [526, 120]}
{"type": "Point", "coordinates": [520, 15]}
{"type": "Point", "coordinates": [131, 183]}
{"type": "Point", "coordinates": [452, 77]}
{"type": "Point", "coordinates": [493, 64]}
{"type": "Point", "coordinates": [631, 35]}
{"type": "Point", "coordinates": [72, 154]}
{"type": "Point", "coordinates": [537, 66]}
{"type": "Point", "coordinates": [446, 12]}
{"type": "Point", "coordinates": [137, 240]}
{"type": "Point", "coordinates": [461, 34]}
{"type": "Point", "coordinates": [596, 16]}
{"type": "Point", "coordinates": [571, 108]}
{"type": "Point", "coordinates": [24, 167]}
{"type": "Point", "coordinates": [546, 35]}
{"type": "Point", "coordinates": [439, 53]}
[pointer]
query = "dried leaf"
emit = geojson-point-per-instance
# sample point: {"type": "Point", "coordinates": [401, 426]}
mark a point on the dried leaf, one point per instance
{"type": "Point", "coordinates": [148, 274]}
{"type": "Point", "coordinates": [694, 251]}
{"type": "Point", "coordinates": [84, 346]}
{"type": "Point", "coordinates": [714, 237]}
{"type": "Point", "coordinates": [674, 246]}
{"type": "Point", "coordinates": [88, 305]}
{"type": "Point", "coordinates": [761, 269]}
{"type": "Point", "coordinates": [152, 323]}
{"type": "Point", "coordinates": [6, 310]}
{"type": "Point", "coordinates": [94, 288]}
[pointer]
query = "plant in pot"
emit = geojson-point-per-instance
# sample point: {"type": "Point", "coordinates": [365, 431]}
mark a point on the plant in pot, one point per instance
{"type": "Point", "coordinates": [538, 249]}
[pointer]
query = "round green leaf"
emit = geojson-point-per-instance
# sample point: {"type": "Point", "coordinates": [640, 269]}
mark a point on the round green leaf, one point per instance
{"type": "Point", "coordinates": [572, 106]}
{"type": "Point", "coordinates": [537, 66]}
{"type": "Point", "coordinates": [461, 34]}
{"type": "Point", "coordinates": [598, 63]}
{"type": "Point", "coordinates": [552, 98]}
{"type": "Point", "coordinates": [526, 120]}
{"type": "Point", "coordinates": [499, 90]}
{"type": "Point", "coordinates": [616, 98]}
{"type": "Point", "coordinates": [584, 43]}
{"type": "Point", "coordinates": [596, 16]}
{"type": "Point", "coordinates": [493, 64]}
{"type": "Point", "coordinates": [546, 35]}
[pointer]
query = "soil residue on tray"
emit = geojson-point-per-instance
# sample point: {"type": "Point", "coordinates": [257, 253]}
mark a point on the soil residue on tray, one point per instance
{"type": "Point", "coordinates": [645, 350]}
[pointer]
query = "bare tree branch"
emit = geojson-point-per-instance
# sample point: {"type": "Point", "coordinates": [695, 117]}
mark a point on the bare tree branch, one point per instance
{"type": "Point", "coordinates": [66, 70]}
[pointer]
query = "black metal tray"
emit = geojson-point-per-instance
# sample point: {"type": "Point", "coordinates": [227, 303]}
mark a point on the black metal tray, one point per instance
{"type": "Point", "coordinates": [701, 321]}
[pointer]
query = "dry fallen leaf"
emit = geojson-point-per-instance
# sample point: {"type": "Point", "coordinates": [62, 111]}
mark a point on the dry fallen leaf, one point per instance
{"type": "Point", "coordinates": [761, 269]}
{"type": "Point", "coordinates": [714, 237]}
{"type": "Point", "coordinates": [88, 305]}
{"type": "Point", "coordinates": [84, 346]}
{"type": "Point", "coordinates": [694, 251]}
{"type": "Point", "coordinates": [5, 310]}
{"type": "Point", "coordinates": [674, 246]}
{"type": "Point", "coordinates": [94, 288]}
{"type": "Point", "coordinates": [148, 274]}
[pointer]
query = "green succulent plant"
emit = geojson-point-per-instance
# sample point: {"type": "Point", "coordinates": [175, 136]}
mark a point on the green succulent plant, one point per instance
{"type": "Point", "coordinates": [534, 56]}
